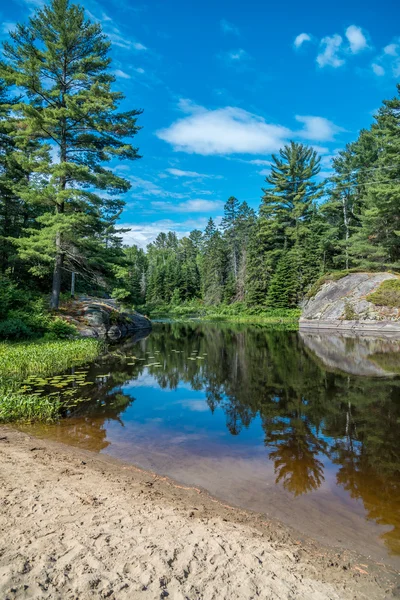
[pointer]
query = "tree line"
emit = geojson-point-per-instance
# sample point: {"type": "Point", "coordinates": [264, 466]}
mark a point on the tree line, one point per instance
{"type": "Point", "coordinates": [61, 135]}
{"type": "Point", "coordinates": [305, 226]}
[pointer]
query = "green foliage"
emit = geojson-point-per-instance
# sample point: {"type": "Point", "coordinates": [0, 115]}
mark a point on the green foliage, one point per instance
{"type": "Point", "coordinates": [20, 360]}
{"type": "Point", "coordinates": [14, 329]}
{"type": "Point", "coordinates": [45, 357]}
{"type": "Point", "coordinates": [388, 294]}
{"type": "Point", "coordinates": [283, 291]}
{"type": "Point", "coordinates": [25, 314]}
{"type": "Point", "coordinates": [59, 217]}
{"type": "Point", "coordinates": [16, 407]}
{"type": "Point", "coordinates": [349, 312]}
{"type": "Point", "coordinates": [59, 60]}
{"type": "Point", "coordinates": [58, 328]}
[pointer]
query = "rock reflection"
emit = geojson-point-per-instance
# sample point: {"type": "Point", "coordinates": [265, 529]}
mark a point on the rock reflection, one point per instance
{"type": "Point", "coordinates": [357, 355]}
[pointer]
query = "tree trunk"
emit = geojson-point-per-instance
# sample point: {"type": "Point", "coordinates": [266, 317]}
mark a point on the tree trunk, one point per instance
{"type": "Point", "coordinates": [59, 260]}
{"type": "Point", "coordinates": [73, 277]}
{"type": "Point", "coordinates": [58, 265]}
{"type": "Point", "coordinates": [346, 225]}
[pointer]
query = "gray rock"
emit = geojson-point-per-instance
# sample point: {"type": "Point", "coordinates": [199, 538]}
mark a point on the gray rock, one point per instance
{"type": "Point", "coordinates": [104, 318]}
{"type": "Point", "coordinates": [348, 296]}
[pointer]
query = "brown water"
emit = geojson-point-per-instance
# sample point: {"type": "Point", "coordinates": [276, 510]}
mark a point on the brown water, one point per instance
{"type": "Point", "coordinates": [301, 427]}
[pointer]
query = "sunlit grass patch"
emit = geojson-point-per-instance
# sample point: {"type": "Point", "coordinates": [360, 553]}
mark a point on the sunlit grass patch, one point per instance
{"type": "Point", "coordinates": [28, 366]}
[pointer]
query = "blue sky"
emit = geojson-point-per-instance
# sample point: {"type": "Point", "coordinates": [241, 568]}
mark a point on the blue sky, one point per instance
{"type": "Point", "coordinates": [224, 84]}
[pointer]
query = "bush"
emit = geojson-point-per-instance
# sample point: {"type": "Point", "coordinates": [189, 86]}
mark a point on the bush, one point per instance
{"type": "Point", "coordinates": [10, 297]}
{"type": "Point", "coordinates": [14, 329]}
{"type": "Point", "coordinates": [61, 329]}
{"type": "Point", "coordinates": [388, 294]}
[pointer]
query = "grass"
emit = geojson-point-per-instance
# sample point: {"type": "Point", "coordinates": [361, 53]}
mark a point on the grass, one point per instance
{"type": "Point", "coordinates": [21, 360]}
{"type": "Point", "coordinates": [388, 294]}
{"type": "Point", "coordinates": [16, 407]}
{"type": "Point", "coordinates": [237, 312]}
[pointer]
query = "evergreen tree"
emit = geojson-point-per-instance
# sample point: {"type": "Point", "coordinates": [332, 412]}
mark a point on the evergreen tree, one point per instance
{"type": "Point", "coordinates": [214, 265]}
{"type": "Point", "coordinates": [60, 60]}
{"type": "Point", "coordinates": [287, 204]}
{"type": "Point", "coordinates": [283, 291]}
{"type": "Point", "coordinates": [378, 240]}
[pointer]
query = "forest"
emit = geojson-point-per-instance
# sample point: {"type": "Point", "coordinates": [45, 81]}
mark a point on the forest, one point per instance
{"type": "Point", "coordinates": [62, 134]}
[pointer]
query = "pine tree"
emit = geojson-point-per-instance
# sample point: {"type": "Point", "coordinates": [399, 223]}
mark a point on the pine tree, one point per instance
{"type": "Point", "coordinates": [214, 264]}
{"type": "Point", "coordinates": [283, 291]}
{"type": "Point", "coordinates": [287, 204]}
{"type": "Point", "coordinates": [378, 240]}
{"type": "Point", "coordinates": [60, 60]}
{"type": "Point", "coordinates": [229, 226]}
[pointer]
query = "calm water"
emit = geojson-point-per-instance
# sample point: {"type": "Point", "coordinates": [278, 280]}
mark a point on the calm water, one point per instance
{"type": "Point", "coordinates": [302, 427]}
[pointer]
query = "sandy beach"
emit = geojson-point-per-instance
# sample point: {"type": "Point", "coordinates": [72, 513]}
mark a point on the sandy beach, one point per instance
{"type": "Point", "coordinates": [76, 525]}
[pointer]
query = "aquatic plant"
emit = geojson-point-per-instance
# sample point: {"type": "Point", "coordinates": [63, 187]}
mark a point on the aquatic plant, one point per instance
{"type": "Point", "coordinates": [36, 361]}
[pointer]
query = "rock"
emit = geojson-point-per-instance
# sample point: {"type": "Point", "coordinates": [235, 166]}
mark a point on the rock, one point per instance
{"type": "Point", "coordinates": [343, 305]}
{"type": "Point", "coordinates": [95, 317]}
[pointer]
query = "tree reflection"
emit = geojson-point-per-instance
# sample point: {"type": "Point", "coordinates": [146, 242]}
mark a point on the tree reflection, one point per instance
{"type": "Point", "coordinates": [295, 455]}
{"type": "Point", "coordinates": [306, 411]}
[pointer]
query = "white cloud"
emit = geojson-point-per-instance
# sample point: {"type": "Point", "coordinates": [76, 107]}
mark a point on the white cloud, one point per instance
{"type": "Point", "coordinates": [264, 172]}
{"type": "Point", "coordinates": [300, 39]}
{"type": "Point", "coordinates": [118, 39]}
{"type": "Point", "coordinates": [356, 38]}
{"type": "Point", "coordinates": [180, 173]}
{"type": "Point", "coordinates": [235, 55]}
{"type": "Point", "coordinates": [195, 405]}
{"type": "Point", "coordinates": [144, 233]}
{"type": "Point", "coordinates": [189, 206]}
{"type": "Point", "coordinates": [258, 161]}
{"type": "Point", "coordinates": [317, 128]}
{"type": "Point", "coordinates": [330, 48]}
{"type": "Point", "coordinates": [378, 69]}
{"type": "Point", "coordinates": [148, 188]}
{"type": "Point", "coordinates": [122, 74]}
{"type": "Point", "coordinates": [140, 70]}
{"type": "Point", "coordinates": [229, 27]}
{"type": "Point", "coordinates": [391, 49]}
{"type": "Point", "coordinates": [228, 130]}
{"type": "Point", "coordinates": [388, 61]}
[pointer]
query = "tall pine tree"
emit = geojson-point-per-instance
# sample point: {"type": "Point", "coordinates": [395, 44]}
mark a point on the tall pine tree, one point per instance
{"type": "Point", "coordinates": [60, 62]}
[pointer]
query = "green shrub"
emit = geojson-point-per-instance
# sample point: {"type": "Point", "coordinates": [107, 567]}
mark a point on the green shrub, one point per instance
{"type": "Point", "coordinates": [349, 312]}
{"type": "Point", "coordinates": [120, 294]}
{"type": "Point", "coordinates": [14, 329]}
{"type": "Point", "coordinates": [11, 297]}
{"type": "Point", "coordinates": [60, 328]}
{"type": "Point", "coordinates": [388, 294]}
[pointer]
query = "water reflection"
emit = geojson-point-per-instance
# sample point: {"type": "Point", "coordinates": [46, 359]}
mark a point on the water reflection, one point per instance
{"type": "Point", "coordinates": [302, 393]}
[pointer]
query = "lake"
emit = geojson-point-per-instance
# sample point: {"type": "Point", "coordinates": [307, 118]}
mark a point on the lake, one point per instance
{"type": "Point", "coordinates": [302, 427]}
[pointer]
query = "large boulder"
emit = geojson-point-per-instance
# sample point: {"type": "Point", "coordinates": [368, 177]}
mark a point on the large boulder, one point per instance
{"type": "Point", "coordinates": [343, 304]}
{"type": "Point", "coordinates": [95, 317]}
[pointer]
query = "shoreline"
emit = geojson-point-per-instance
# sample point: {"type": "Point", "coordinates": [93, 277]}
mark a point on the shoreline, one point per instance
{"type": "Point", "coordinates": [96, 527]}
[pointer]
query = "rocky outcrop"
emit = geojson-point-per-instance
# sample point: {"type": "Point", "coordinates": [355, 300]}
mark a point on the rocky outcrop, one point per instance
{"type": "Point", "coordinates": [343, 305]}
{"type": "Point", "coordinates": [98, 318]}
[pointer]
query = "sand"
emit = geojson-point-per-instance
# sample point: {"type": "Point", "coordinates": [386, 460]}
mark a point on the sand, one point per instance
{"type": "Point", "coordinates": [75, 525]}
